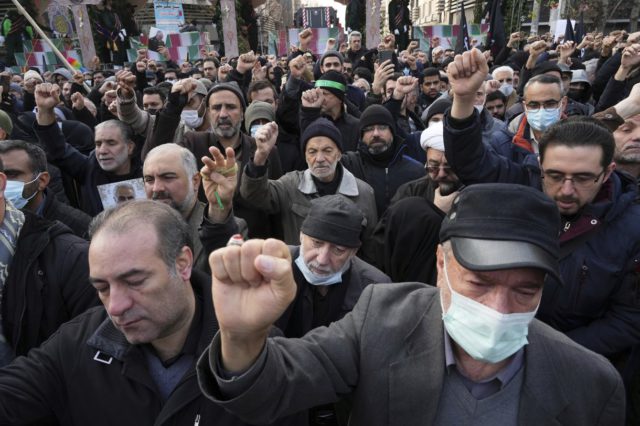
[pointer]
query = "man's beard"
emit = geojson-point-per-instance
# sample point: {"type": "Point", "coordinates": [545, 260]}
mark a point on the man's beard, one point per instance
{"type": "Point", "coordinates": [449, 187]}
{"type": "Point", "coordinates": [226, 133]}
{"type": "Point", "coordinates": [378, 146]}
{"type": "Point", "coordinates": [183, 208]}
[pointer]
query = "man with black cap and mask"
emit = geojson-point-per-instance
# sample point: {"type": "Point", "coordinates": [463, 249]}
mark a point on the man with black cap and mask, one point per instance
{"type": "Point", "coordinates": [380, 159]}
{"type": "Point", "coordinates": [468, 352]}
{"type": "Point", "coordinates": [328, 274]}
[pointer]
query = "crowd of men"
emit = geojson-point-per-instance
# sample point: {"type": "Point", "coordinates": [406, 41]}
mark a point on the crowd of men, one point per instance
{"type": "Point", "coordinates": [503, 189]}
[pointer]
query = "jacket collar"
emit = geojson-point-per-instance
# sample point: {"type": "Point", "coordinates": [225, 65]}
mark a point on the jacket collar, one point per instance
{"type": "Point", "coordinates": [348, 185]}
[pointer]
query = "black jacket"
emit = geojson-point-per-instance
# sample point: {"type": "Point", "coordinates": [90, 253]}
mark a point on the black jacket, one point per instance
{"type": "Point", "coordinates": [348, 125]}
{"type": "Point", "coordinates": [77, 220]}
{"type": "Point", "coordinates": [384, 178]}
{"type": "Point", "coordinates": [47, 285]}
{"type": "Point", "coordinates": [88, 374]}
{"type": "Point", "coordinates": [85, 170]}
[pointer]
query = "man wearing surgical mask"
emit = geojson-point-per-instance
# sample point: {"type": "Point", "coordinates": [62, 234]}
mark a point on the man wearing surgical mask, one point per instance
{"type": "Point", "coordinates": [469, 352]}
{"type": "Point", "coordinates": [544, 105]}
{"type": "Point", "coordinates": [505, 76]}
{"type": "Point", "coordinates": [44, 273]}
{"type": "Point", "coordinates": [25, 165]}
{"type": "Point", "coordinates": [328, 275]}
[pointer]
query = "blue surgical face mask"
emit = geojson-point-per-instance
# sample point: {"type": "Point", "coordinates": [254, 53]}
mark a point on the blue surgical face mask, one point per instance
{"type": "Point", "coordinates": [191, 118]}
{"type": "Point", "coordinates": [484, 333]}
{"type": "Point", "coordinates": [506, 89]}
{"type": "Point", "coordinates": [13, 192]}
{"type": "Point", "coordinates": [542, 119]}
{"type": "Point", "coordinates": [315, 279]}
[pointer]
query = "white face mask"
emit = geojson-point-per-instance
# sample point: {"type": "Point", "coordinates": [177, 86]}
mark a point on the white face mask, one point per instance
{"type": "Point", "coordinates": [191, 118]}
{"type": "Point", "coordinates": [484, 333]}
{"type": "Point", "coordinates": [506, 89]}
{"type": "Point", "coordinates": [315, 279]}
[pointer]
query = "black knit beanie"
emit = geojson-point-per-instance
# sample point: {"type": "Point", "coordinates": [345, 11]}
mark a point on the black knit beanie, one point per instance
{"type": "Point", "coordinates": [321, 127]}
{"type": "Point", "coordinates": [334, 82]}
{"type": "Point", "coordinates": [377, 114]}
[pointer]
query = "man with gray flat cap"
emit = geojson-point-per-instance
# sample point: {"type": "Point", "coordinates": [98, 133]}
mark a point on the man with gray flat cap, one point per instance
{"type": "Point", "coordinates": [468, 352]}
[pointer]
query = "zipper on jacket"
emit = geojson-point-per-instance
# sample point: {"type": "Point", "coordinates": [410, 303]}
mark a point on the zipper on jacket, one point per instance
{"type": "Point", "coordinates": [386, 185]}
{"type": "Point", "coordinates": [584, 270]}
{"type": "Point", "coordinates": [567, 226]}
{"type": "Point", "coordinates": [197, 421]}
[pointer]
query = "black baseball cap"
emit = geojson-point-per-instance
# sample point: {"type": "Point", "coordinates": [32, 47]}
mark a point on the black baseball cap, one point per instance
{"type": "Point", "coordinates": [503, 226]}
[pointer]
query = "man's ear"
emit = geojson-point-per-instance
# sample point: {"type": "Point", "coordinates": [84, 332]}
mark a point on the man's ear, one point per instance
{"type": "Point", "coordinates": [563, 104]}
{"type": "Point", "coordinates": [130, 147]}
{"type": "Point", "coordinates": [196, 179]}
{"type": "Point", "coordinates": [184, 263]}
{"type": "Point", "coordinates": [440, 261]}
{"type": "Point", "coordinates": [610, 168]}
{"type": "Point", "coordinates": [43, 181]}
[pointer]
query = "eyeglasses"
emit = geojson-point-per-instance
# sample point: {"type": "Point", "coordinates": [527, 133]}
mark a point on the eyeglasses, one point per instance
{"type": "Point", "coordinates": [547, 105]}
{"type": "Point", "coordinates": [436, 169]}
{"type": "Point", "coordinates": [378, 127]}
{"type": "Point", "coordinates": [579, 180]}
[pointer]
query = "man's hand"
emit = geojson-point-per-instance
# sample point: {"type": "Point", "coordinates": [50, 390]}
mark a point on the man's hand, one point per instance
{"type": "Point", "coordinates": [389, 42]}
{"type": "Point", "coordinates": [514, 39]}
{"type": "Point", "coordinates": [126, 84]}
{"type": "Point", "coordinates": [435, 42]}
{"type": "Point", "coordinates": [412, 46]}
{"type": "Point", "coordinates": [297, 66]}
{"type": "Point", "coordinates": [382, 74]}
{"type": "Point", "coordinates": [94, 63]}
{"type": "Point", "coordinates": [444, 202]}
{"type": "Point", "coordinates": [141, 55]}
{"type": "Point", "coordinates": [411, 62]}
{"type": "Point", "coordinates": [141, 66]}
{"type": "Point", "coordinates": [404, 86]}
{"type": "Point", "coordinates": [77, 101]}
{"type": "Point", "coordinates": [219, 181]}
{"type": "Point", "coordinates": [107, 86]}
{"type": "Point", "coordinates": [331, 44]}
{"type": "Point", "coordinates": [466, 74]}
{"type": "Point", "coordinates": [535, 50]}
{"type": "Point", "coordinates": [630, 60]}
{"type": "Point", "coordinates": [305, 39]}
{"type": "Point", "coordinates": [630, 106]}
{"type": "Point", "coordinates": [265, 141]}
{"type": "Point", "coordinates": [109, 97]}
{"type": "Point", "coordinates": [312, 98]}
{"type": "Point", "coordinates": [492, 86]}
{"type": "Point", "coordinates": [246, 61]}
{"type": "Point", "coordinates": [565, 50]}
{"type": "Point", "coordinates": [223, 72]}
{"type": "Point", "coordinates": [184, 87]}
{"type": "Point", "coordinates": [259, 72]}
{"type": "Point", "coordinates": [47, 96]}
{"type": "Point", "coordinates": [113, 108]}
{"type": "Point", "coordinates": [164, 52]}
{"type": "Point", "coordinates": [252, 285]}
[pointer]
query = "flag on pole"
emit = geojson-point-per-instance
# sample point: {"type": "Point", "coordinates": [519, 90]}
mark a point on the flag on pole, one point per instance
{"type": "Point", "coordinates": [496, 38]}
{"type": "Point", "coordinates": [579, 30]}
{"type": "Point", "coordinates": [568, 31]}
{"type": "Point", "coordinates": [462, 43]}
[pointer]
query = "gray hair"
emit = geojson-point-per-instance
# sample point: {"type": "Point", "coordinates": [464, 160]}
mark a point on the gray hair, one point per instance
{"type": "Point", "coordinates": [125, 130]}
{"type": "Point", "coordinates": [503, 68]}
{"type": "Point", "coordinates": [188, 158]}
{"type": "Point", "coordinates": [355, 33]}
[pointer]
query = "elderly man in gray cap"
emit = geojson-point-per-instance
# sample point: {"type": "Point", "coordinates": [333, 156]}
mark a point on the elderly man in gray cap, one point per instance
{"type": "Point", "coordinates": [469, 352]}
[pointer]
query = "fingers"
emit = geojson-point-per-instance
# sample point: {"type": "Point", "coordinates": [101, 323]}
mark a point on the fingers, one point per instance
{"type": "Point", "coordinates": [274, 264]}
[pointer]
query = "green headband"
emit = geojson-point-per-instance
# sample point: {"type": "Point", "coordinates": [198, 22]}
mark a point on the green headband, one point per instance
{"type": "Point", "coordinates": [332, 84]}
